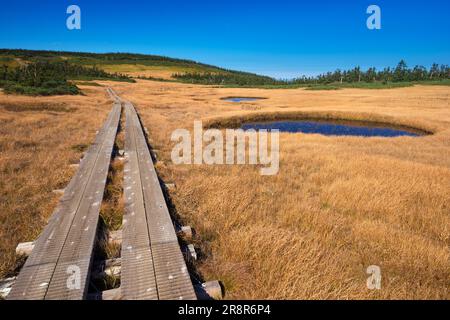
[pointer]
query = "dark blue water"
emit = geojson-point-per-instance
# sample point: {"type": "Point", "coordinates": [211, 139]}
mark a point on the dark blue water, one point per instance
{"type": "Point", "coordinates": [331, 128]}
{"type": "Point", "coordinates": [240, 99]}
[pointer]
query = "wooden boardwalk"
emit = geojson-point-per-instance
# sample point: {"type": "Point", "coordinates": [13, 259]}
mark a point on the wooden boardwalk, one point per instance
{"type": "Point", "coordinates": [153, 266]}
{"type": "Point", "coordinates": [59, 265]}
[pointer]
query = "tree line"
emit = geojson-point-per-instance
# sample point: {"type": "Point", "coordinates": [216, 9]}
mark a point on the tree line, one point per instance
{"type": "Point", "coordinates": [227, 78]}
{"type": "Point", "coordinates": [49, 78]}
{"type": "Point", "coordinates": [401, 73]}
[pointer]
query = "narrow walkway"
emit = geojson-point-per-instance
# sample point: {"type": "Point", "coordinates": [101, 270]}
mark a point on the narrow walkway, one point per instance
{"type": "Point", "coordinates": [59, 265]}
{"type": "Point", "coordinates": [153, 266]}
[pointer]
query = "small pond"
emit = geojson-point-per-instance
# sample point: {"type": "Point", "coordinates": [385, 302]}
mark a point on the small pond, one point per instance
{"type": "Point", "coordinates": [241, 99]}
{"type": "Point", "coordinates": [335, 128]}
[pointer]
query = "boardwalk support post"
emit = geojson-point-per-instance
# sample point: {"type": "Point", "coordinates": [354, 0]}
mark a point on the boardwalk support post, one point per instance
{"type": "Point", "coordinates": [209, 290]}
{"type": "Point", "coordinates": [190, 253]}
{"type": "Point", "coordinates": [185, 232]}
{"type": "Point", "coordinates": [169, 186]}
{"type": "Point", "coordinates": [25, 248]}
{"type": "Point", "coordinates": [5, 286]}
{"type": "Point", "coordinates": [59, 191]}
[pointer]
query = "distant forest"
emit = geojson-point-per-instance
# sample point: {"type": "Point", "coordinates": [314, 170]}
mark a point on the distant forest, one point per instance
{"type": "Point", "coordinates": [50, 78]}
{"type": "Point", "coordinates": [226, 78]}
{"type": "Point", "coordinates": [401, 73]}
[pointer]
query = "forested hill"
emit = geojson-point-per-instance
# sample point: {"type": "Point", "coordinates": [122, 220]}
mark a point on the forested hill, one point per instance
{"type": "Point", "coordinates": [142, 66]}
{"type": "Point", "coordinates": [100, 58]}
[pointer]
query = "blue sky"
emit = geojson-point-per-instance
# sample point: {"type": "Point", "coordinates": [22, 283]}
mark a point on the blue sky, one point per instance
{"type": "Point", "coordinates": [280, 38]}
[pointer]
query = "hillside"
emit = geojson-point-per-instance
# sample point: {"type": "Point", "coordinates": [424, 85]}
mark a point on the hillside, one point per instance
{"type": "Point", "coordinates": [134, 65]}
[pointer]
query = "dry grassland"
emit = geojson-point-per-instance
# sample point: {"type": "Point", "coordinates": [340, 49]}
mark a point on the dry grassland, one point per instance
{"type": "Point", "coordinates": [39, 139]}
{"type": "Point", "coordinates": [337, 205]}
{"type": "Point", "coordinates": [135, 70]}
{"type": "Point", "coordinates": [140, 70]}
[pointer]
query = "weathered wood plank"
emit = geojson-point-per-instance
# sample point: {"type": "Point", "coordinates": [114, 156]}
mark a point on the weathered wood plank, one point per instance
{"type": "Point", "coordinates": [163, 262]}
{"type": "Point", "coordinates": [69, 237]}
{"type": "Point", "coordinates": [137, 277]}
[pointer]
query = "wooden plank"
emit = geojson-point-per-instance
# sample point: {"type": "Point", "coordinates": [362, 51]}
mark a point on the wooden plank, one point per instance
{"type": "Point", "coordinates": [149, 208]}
{"type": "Point", "coordinates": [137, 276]}
{"type": "Point", "coordinates": [79, 244]}
{"type": "Point", "coordinates": [69, 237]}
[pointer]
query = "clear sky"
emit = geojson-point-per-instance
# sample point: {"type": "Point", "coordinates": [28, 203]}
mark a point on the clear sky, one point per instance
{"type": "Point", "coordinates": [280, 38]}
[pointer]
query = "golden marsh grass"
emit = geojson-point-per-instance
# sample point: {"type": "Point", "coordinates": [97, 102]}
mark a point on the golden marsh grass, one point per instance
{"type": "Point", "coordinates": [337, 205]}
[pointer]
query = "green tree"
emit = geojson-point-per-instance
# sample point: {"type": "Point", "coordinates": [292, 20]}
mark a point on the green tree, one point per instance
{"type": "Point", "coordinates": [419, 73]}
{"type": "Point", "coordinates": [434, 71]}
{"type": "Point", "coordinates": [401, 71]}
{"type": "Point", "coordinates": [371, 75]}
